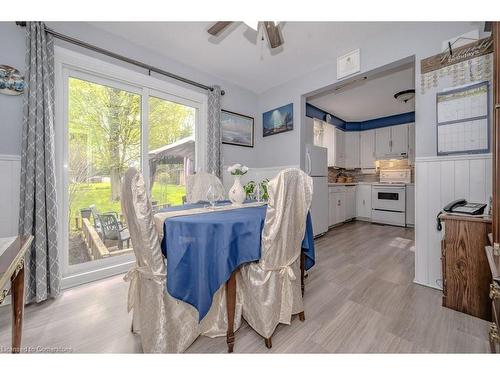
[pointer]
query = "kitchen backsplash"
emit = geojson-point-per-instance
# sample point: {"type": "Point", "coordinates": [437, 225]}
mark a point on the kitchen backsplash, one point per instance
{"type": "Point", "coordinates": [357, 176]}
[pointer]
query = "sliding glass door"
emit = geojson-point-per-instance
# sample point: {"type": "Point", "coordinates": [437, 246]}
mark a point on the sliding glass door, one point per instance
{"type": "Point", "coordinates": [171, 145]}
{"type": "Point", "coordinates": [107, 124]}
{"type": "Point", "coordinates": [104, 139]}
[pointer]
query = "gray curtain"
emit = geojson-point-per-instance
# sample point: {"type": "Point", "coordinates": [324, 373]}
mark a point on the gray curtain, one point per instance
{"type": "Point", "coordinates": [214, 134]}
{"type": "Point", "coordinates": [38, 207]}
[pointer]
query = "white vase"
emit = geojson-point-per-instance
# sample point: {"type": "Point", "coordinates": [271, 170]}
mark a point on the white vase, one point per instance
{"type": "Point", "coordinates": [237, 193]}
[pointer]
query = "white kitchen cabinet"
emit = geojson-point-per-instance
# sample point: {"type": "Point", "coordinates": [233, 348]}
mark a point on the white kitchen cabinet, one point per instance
{"type": "Point", "coordinates": [411, 143]}
{"type": "Point", "coordinates": [350, 202]}
{"type": "Point", "coordinates": [367, 148]}
{"type": "Point", "coordinates": [364, 201]}
{"type": "Point", "coordinates": [391, 141]}
{"type": "Point", "coordinates": [337, 205]}
{"type": "Point", "coordinates": [332, 203]}
{"type": "Point", "coordinates": [399, 140]}
{"type": "Point", "coordinates": [352, 150]}
{"type": "Point", "coordinates": [410, 205]}
{"type": "Point", "coordinates": [318, 131]}
{"type": "Point", "coordinates": [329, 142]}
{"type": "Point", "coordinates": [383, 142]}
{"type": "Point", "coordinates": [339, 148]}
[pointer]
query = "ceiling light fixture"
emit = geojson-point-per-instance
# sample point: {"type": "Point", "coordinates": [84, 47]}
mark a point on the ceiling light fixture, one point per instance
{"type": "Point", "coordinates": [405, 95]}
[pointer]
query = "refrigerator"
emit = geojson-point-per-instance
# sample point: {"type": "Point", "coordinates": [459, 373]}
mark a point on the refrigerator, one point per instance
{"type": "Point", "coordinates": [316, 166]}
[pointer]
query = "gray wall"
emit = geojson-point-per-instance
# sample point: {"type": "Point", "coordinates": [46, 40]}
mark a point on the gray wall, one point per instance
{"type": "Point", "coordinates": [237, 99]}
{"type": "Point", "coordinates": [394, 42]}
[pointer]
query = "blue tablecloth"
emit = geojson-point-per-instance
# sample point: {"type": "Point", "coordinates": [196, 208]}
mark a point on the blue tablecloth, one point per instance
{"type": "Point", "coordinates": [204, 249]}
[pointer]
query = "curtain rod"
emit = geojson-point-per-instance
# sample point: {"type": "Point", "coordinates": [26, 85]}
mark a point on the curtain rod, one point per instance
{"type": "Point", "coordinates": [106, 52]}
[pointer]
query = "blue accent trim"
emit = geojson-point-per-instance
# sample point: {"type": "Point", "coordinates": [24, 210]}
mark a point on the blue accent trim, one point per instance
{"type": "Point", "coordinates": [315, 112]}
{"type": "Point", "coordinates": [382, 122]}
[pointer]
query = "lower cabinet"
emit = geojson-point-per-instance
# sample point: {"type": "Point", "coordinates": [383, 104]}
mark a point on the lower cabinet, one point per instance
{"type": "Point", "coordinates": [350, 202]}
{"type": "Point", "coordinates": [364, 202]}
{"type": "Point", "coordinates": [342, 204]}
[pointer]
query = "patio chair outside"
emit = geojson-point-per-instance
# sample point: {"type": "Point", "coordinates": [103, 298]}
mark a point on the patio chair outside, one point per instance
{"type": "Point", "coordinates": [112, 229]}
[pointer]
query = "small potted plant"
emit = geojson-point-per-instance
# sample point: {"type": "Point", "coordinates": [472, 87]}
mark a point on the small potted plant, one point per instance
{"type": "Point", "coordinates": [237, 194]}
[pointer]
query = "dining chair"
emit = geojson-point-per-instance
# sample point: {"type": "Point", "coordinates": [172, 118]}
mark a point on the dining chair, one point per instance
{"type": "Point", "coordinates": [165, 324]}
{"type": "Point", "coordinates": [198, 184]}
{"type": "Point", "coordinates": [271, 287]}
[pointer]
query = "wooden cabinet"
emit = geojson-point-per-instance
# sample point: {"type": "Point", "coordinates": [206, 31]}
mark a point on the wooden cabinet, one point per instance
{"type": "Point", "coordinates": [465, 269]}
{"type": "Point", "coordinates": [339, 148]}
{"type": "Point", "coordinates": [399, 140]}
{"type": "Point", "coordinates": [391, 141]}
{"type": "Point", "coordinates": [352, 152]}
{"type": "Point", "coordinates": [367, 149]}
{"type": "Point", "coordinates": [364, 201]}
{"type": "Point", "coordinates": [328, 142]}
{"type": "Point", "coordinates": [382, 142]}
{"type": "Point", "coordinates": [332, 202]}
{"type": "Point", "coordinates": [337, 202]}
{"type": "Point", "coordinates": [350, 202]}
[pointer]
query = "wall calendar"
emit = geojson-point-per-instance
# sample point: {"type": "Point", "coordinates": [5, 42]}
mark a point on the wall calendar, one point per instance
{"type": "Point", "coordinates": [463, 120]}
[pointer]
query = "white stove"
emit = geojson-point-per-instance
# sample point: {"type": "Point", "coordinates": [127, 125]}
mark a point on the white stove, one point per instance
{"type": "Point", "coordinates": [389, 197]}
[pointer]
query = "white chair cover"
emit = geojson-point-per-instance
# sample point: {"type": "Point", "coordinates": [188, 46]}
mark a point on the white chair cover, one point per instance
{"type": "Point", "coordinates": [271, 287]}
{"type": "Point", "coordinates": [197, 186]}
{"type": "Point", "coordinates": [166, 325]}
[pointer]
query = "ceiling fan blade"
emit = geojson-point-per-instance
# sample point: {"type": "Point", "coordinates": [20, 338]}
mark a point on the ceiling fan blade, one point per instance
{"type": "Point", "coordinates": [273, 34]}
{"type": "Point", "coordinates": [218, 27]}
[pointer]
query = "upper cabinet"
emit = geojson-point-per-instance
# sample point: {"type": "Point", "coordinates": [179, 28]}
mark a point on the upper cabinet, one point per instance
{"type": "Point", "coordinates": [399, 140]}
{"type": "Point", "coordinates": [360, 149]}
{"type": "Point", "coordinates": [382, 142]}
{"type": "Point", "coordinates": [367, 149]}
{"type": "Point", "coordinates": [352, 151]}
{"type": "Point", "coordinates": [391, 141]}
{"type": "Point", "coordinates": [339, 148]}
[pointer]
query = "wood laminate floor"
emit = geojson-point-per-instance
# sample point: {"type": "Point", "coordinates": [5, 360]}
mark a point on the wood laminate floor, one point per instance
{"type": "Point", "coordinates": [360, 298]}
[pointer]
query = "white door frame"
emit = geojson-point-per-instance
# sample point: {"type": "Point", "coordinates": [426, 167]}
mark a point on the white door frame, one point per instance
{"type": "Point", "coordinates": [70, 63]}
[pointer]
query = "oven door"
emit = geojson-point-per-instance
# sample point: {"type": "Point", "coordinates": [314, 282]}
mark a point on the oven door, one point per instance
{"type": "Point", "coordinates": [390, 198]}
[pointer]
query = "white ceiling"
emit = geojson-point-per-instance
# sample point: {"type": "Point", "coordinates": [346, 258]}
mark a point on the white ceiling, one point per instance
{"type": "Point", "coordinates": [371, 98]}
{"type": "Point", "coordinates": [236, 56]}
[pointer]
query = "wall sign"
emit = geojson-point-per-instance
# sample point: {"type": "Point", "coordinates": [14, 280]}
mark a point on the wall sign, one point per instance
{"type": "Point", "coordinates": [459, 54]}
{"type": "Point", "coordinates": [348, 64]}
{"type": "Point", "coordinates": [11, 81]}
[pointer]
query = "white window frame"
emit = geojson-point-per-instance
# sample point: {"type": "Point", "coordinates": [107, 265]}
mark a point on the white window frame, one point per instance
{"type": "Point", "coordinates": [69, 63]}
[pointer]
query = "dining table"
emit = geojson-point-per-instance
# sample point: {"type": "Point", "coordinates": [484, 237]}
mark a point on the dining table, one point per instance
{"type": "Point", "coordinates": [205, 245]}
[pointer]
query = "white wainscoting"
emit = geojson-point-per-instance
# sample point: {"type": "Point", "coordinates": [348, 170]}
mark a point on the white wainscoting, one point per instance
{"type": "Point", "coordinates": [10, 168]}
{"type": "Point", "coordinates": [439, 180]}
{"type": "Point", "coordinates": [254, 174]}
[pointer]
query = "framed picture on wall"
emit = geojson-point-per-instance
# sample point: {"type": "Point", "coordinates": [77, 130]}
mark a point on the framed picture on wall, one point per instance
{"type": "Point", "coordinates": [237, 129]}
{"type": "Point", "coordinates": [278, 120]}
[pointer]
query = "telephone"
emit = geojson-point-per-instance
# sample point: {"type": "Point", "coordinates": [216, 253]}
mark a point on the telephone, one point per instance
{"type": "Point", "coordinates": [460, 206]}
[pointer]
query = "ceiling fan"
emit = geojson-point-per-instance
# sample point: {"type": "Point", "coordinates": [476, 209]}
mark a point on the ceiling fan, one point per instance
{"type": "Point", "coordinates": [271, 28]}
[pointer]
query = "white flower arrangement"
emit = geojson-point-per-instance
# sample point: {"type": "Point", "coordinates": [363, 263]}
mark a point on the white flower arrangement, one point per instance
{"type": "Point", "coordinates": [237, 169]}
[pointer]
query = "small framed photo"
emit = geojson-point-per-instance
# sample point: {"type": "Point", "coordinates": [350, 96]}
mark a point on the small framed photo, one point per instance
{"type": "Point", "coordinates": [237, 129]}
{"type": "Point", "coordinates": [278, 120]}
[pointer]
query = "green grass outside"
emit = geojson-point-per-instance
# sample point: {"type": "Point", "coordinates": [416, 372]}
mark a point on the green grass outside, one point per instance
{"type": "Point", "coordinates": [99, 194]}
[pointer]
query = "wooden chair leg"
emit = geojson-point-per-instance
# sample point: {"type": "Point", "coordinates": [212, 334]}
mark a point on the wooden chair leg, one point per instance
{"type": "Point", "coordinates": [302, 270]}
{"type": "Point", "coordinates": [231, 306]}
{"type": "Point", "coordinates": [302, 316]}
{"type": "Point", "coordinates": [269, 343]}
